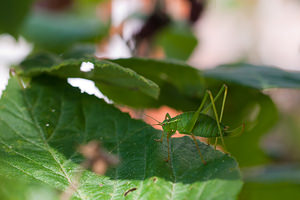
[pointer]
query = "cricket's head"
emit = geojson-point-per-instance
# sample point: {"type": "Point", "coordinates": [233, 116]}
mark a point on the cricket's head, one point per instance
{"type": "Point", "coordinates": [169, 125]}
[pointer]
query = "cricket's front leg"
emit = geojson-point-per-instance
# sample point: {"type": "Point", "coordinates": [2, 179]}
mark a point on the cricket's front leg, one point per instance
{"type": "Point", "coordinates": [161, 139]}
{"type": "Point", "coordinates": [162, 134]}
{"type": "Point", "coordinates": [168, 143]}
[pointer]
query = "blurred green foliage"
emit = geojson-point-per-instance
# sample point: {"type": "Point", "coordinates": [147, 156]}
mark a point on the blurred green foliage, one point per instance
{"type": "Point", "coordinates": [12, 15]}
{"type": "Point", "coordinates": [177, 41]}
{"type": "Point", "coordinates": [57, 32]}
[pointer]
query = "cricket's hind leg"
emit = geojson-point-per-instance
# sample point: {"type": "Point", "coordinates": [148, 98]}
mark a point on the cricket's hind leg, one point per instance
{"type": "Point", "coordinates": [219, 119]}
{"type": "Point", "coordinates": [168, 143]}
{"type": "Point", "coordinates": [198, 148]}
{"type": "Point", "coordinates": [190, 126]}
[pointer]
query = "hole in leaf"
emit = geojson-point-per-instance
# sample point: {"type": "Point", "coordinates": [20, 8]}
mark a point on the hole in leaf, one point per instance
{"type": "Point", "coordinates": [89, 87]}
{"type": "Point", "coordinates": [86, 66]}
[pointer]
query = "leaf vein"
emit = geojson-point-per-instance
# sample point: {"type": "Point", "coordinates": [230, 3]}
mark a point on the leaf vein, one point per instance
{"type": "Point", "coordinates": [20, 154]}
{"type": "Point", "coordinates": [40, 130]}
{"type": "Point", "coordinates": [20, 135]}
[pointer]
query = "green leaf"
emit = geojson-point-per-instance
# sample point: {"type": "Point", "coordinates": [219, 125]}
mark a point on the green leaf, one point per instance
{"type": "Point", "coordinates": [12, 15]}
{"type": "Point", "coordinates": [259, 113]}
{"type": "Point", "coordinates": [181, 86]}
{"type": "Point", "coordinates": [41, 127]}
{"type": "Point", "coordinates": [258, 77]}
{"type": "Point", "coordinates": [56, 32]}
{"type": "Point", "coordinates": [177, 40]}
{"type": "Point", "coordinates": [106, 74]}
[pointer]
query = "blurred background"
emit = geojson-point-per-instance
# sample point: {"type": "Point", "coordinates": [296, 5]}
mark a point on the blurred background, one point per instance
{"type": "Point", "coordinates": [207, 34]}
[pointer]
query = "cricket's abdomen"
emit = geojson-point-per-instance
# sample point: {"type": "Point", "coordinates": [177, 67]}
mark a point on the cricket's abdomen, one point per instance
{"type": "Point", "coordinates": [205, 126]}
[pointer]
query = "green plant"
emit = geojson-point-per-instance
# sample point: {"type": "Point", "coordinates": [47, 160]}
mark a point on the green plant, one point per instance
{"type": "Point", "coordinates": [44, 121]}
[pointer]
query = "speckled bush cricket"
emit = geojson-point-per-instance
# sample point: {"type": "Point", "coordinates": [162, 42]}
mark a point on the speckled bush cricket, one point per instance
{"type": "Point", "coordinates": [198, 123]}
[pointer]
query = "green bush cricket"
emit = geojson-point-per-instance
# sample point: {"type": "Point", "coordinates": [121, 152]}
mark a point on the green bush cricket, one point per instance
{"type": "Point", "coordinates": [198, 123]}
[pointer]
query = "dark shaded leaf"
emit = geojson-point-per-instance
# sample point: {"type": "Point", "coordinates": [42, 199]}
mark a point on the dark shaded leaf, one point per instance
{"type": "Point", "coordinates": [181, 85]}
{"type": "Point", "coordinates": [106, 74]}
{"type": "Point", "coordinates": [258, 77]}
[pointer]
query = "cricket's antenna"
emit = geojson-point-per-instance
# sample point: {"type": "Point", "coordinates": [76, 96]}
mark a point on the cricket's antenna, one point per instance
{"type": "Point", "coordinates": [152, 118]}
{"type": "Point", "coordinates": [155, 124]}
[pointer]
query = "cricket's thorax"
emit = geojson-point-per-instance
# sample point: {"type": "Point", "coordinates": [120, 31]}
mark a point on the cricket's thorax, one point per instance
{"type": "Point", "coordinates": [205, 126]}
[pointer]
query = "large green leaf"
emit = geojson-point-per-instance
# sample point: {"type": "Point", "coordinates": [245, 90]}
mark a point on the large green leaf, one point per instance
{"type": "Point", "coordinates": [258, 77]}
{"type": "Point", "coordinates": [181, 86]}
{"type": "Point", "coordinates": [12, 15]}
{"type": "Point", "coordinates": [41, 127]}
{"type": "Point", "coordinates": [57, 32]}
{"type": "Point", "coordinates": [106, 74]}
